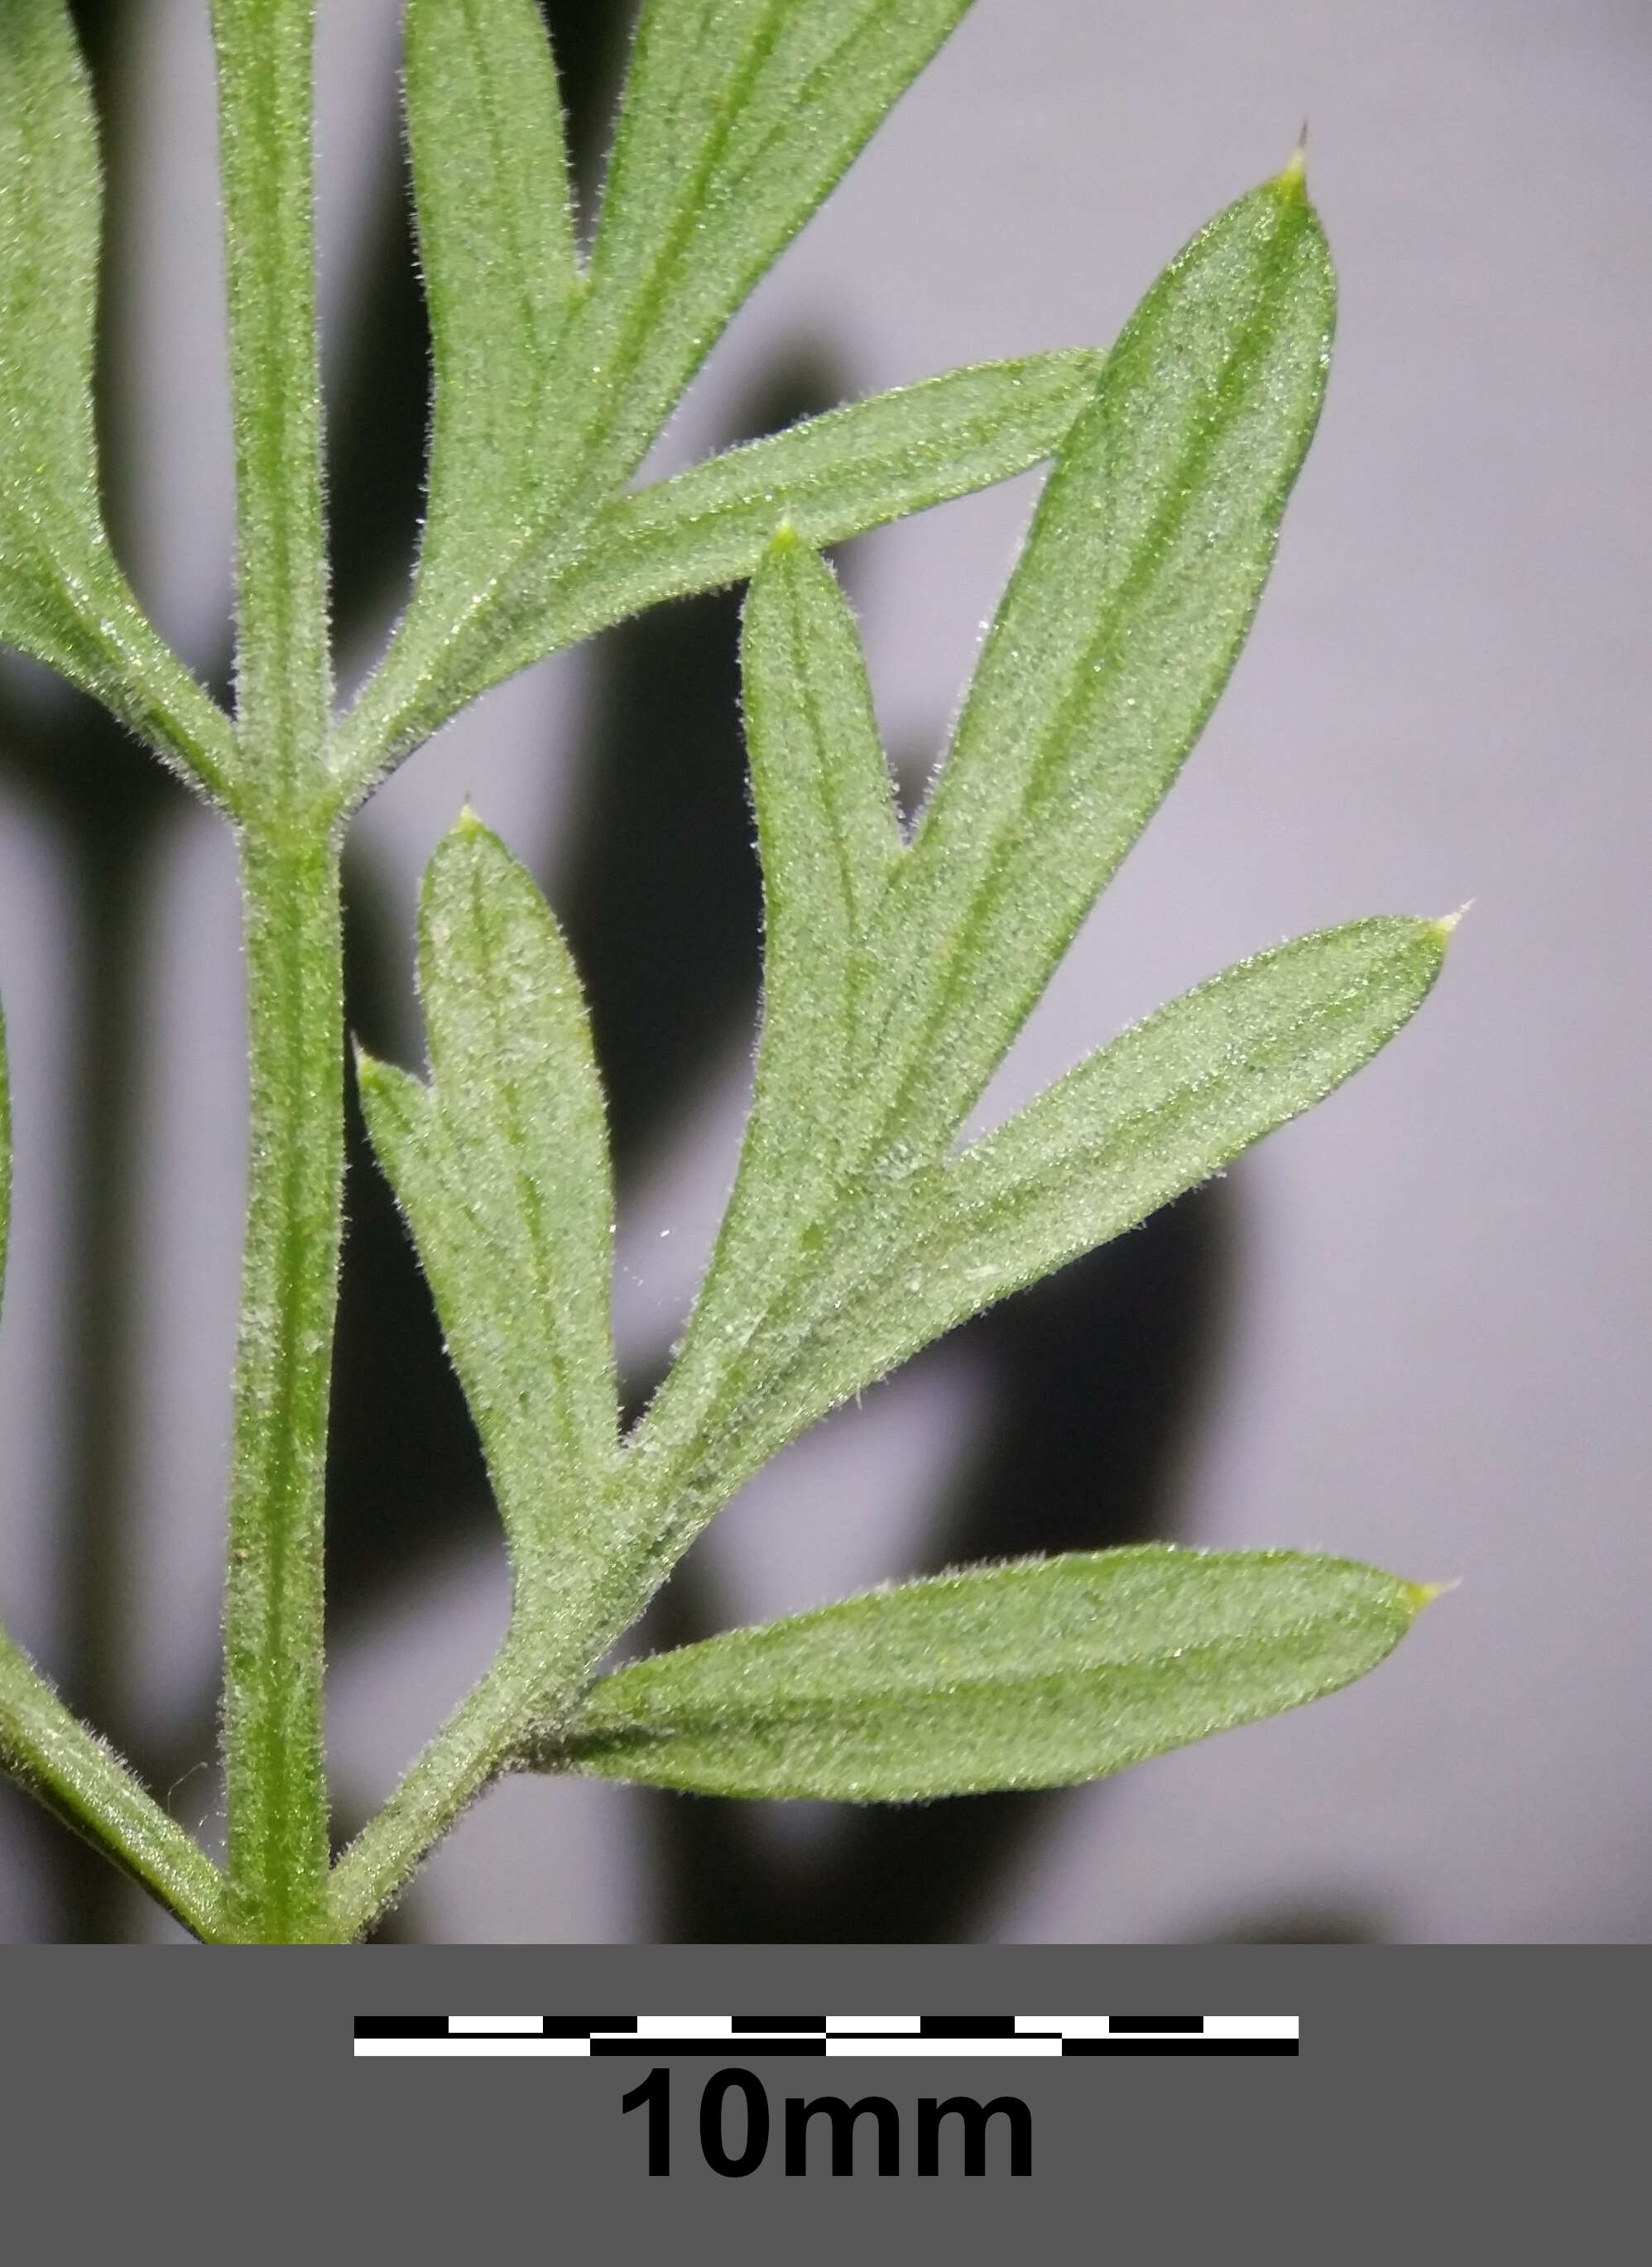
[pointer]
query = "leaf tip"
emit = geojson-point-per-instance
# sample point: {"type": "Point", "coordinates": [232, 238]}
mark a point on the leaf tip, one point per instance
{"type": "Point", "coordinates": [469, 820]}
{"type": "Point", "coordinates": [1293, 181]}
{"type": "Point", "coordinates": [372, 1076]}
{"type": "Point", "coordinates": [1424, 1594]}
{"type": "Point", "coordinates": [1447, 922]}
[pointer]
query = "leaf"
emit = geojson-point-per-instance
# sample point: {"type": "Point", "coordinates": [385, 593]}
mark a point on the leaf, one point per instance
{"type": "Point", "coordinates": [739, 116]}
{"type": "Point", "coordinates": [497, 247]}
{"type": "Point", "coordinates": [501, 1165]}
{"type": "Point", "coordinates": [830, 477]}
{"type": "Point", "coordinates": [1041, 1674]}
{"type": "Point", "coordinates": [1132, 599]}
{"type": "Point", "coordinates": [829, 838]}
{"type": "Point", "coordinates": [62, 598]}
{"type": "Point", "coordinates": [1141, 573]}
{"type": "Point", "coordinates": [1169, 1102]}
{"type": "Point", "coordinates": [833, 477]}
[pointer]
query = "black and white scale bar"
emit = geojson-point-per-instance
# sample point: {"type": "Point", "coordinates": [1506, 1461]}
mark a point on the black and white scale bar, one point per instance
{"type": "Point", "coordinates": [729, 2036]}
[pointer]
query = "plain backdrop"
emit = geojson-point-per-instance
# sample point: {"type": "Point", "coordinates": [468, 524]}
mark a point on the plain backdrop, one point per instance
{"type": "Point", "coordinates": [1438, 1355]}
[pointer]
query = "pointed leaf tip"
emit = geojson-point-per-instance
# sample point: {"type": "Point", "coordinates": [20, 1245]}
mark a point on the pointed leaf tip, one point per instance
{"type": "Point", "coordinates": [1426, 1593]}
{"type": "Point", "coordinates": [1294, 180]}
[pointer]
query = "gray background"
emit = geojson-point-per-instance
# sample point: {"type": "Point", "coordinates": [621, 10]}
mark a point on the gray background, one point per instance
{"type": "Point", "coordinates": [1478, 2095]}
{"type": "Point", "coordinates": [1436, 1358]}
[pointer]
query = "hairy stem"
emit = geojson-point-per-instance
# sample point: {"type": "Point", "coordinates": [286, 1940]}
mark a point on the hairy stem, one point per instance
{"type": "Point", "coordinates": [265, 106]}
{"type": "Point", "coordinates": [274, 1763]}
{"type": "Point", "coordinates": [481, 1739]}
{"type": "Point", "coordinates": [273, 1626]}
{"type": "Point", "coordinates": [70, 1770]}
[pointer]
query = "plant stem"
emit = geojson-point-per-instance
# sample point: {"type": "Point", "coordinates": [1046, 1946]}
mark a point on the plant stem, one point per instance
{"type": "Point", "coordinates": [481, 1738]}
{"type": "Point", "coordinates": [273, 1622]}
{"type": "Point", "coordinates": [274, 1763]}
{"type": "Point", "coordinates": [69, 1769]}
{"type": "Point", "coordinates": [265, 104]}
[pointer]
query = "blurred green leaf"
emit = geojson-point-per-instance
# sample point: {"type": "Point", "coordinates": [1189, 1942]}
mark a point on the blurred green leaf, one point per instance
{"type": "Point", "coordinates": [1024, 1676]}
{"type": "Point", "coordinates": [501, 1165]}
{"type": "Point", "coordinates": [62, 598]}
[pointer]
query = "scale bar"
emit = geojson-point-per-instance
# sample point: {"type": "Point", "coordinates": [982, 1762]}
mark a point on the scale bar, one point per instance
{"type": "Point", "coordinates": [912, 2037]}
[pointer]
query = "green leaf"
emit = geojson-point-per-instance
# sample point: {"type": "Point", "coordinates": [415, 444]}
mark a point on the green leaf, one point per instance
{"type": "Point", "coordinates": [1139, 578]}
{"type": "Point", "coordinates": [501, 1165]}
{"type": "Point", "coordinates": [829, 838]}
{"type": "Point", "coordinates": [1169, 1102]}
{"type": "Point", "coordinates": [739, 116]}
{"type": "Point", "coordinates": [62, 598]}
{"type": "Point", "coordinates": [1025, 1675]}
{"type": "Point", "coordinates": [497, 246]}
{"type": "Point", "coordinates": [833, 477]}
{"type": "Point", "coordinates": [830, 477]}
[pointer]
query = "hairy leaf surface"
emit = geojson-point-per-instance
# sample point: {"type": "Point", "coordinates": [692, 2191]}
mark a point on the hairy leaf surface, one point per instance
{"type": "Point", "coordinates": [833, 477]}
{"type": "Point", "coordinates": [1139, 578]}
{"type": "Point", "coordinates": [829, 838]}
{"type": "Point", "coordinates": [501, 1165]}
{"type": "Point", "coordinates": [739, 116]}
{"type": "Point", "coordinates": [830, 478]}
{"type": "Point", "coordinates": [1141, 573]}
{"type": "Point", "coordinates": [1025, 1676]}
{"type": "Point", "coordinates": [62, 598]}
{"type": "Point", "coordinates": [497, 246]}
{"type": "Point", "coordinates": [907, 1257]}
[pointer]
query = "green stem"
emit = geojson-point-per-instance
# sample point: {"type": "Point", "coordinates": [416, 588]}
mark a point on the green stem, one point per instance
{"type": "Point", "coordinates": [273, 1751]}
{"type": "Point", "coordinates": [481, 1738]}
{"type": "Point", "coordinates": [265, 104]}
{"type": "Point", "coordinates": [69, 1769]}
{"type": "Point", "coordinates": [273, 1729]}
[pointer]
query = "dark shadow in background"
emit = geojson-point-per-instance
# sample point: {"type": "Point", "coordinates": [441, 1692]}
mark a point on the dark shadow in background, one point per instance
{"type": "Point", "coordinates": [1096, 1375]}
